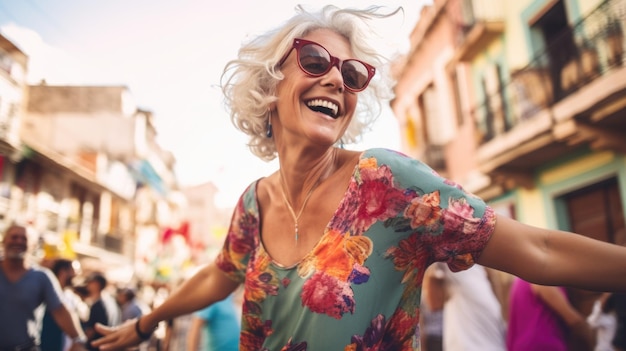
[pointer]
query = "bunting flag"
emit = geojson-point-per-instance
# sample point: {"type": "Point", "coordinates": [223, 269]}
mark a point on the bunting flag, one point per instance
{"type": "Point", "coordinates": [182, 230]}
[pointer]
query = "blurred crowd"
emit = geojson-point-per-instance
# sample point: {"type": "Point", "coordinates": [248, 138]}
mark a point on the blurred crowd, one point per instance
{"type": "Point", "coordinates": [53, 305]}
{"type": "Point", "coordinates": [96, 300]}
{"type": "Point", "coordinates": [484, 309]}
{"type": "Point", "coordinates": [475, 309]}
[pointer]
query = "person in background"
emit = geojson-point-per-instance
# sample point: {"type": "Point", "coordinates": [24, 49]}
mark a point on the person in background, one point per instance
{"type": "Point", "coordinates": [603, 322]}
{"type": "Point", "coordinates": [617, 303]}
{"type": "Point", "coordinates": [85, 303]}
{"type": "Point", "coordinates": [127, 300]}
{"type": "Point", "coordinates": [542, 318]}
{"type": "Point", "coordinates": [331, 248]}
{"type": "Point", "coordinates": [23, 288]}
{"type": "Point", "coordinates": [472, 314]}
{"type": "Point", "coordinates": [52, 337]}
{"type": "Point", "coordinates": [103, 310]}
{"type": "Point", "coordinates": [217, 326]}
{"type": "Point", "coordinates": [131, 309]}
{"type": "Point", "coordinates": [176, 333]}
{"type": "Point", "coordinates": [431, 311]}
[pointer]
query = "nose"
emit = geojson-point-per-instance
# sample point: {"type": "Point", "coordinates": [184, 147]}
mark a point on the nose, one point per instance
{"type": "Point", "coordinates": [334, 77]}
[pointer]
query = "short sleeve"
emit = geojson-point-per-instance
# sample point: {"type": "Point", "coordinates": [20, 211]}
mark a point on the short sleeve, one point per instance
{"type": "Point", "coordinates": [454, 224]}
{"type": "Point", "coordinates": [242, 237]}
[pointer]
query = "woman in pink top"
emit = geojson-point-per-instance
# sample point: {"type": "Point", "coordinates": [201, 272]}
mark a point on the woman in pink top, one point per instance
{"type": "Point", "coordinates": [541, 318]}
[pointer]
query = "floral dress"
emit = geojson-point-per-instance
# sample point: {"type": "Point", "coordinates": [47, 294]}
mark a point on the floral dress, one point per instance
{"type": "Point", "coordinates": [360, 287]}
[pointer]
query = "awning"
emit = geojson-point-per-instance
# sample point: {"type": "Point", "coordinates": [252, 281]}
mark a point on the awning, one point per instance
{"type": "Point", "coordinates": [143, 171]}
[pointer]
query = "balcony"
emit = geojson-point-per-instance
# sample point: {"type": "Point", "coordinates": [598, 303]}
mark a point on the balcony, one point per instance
{"type": "Point", "coordinates": [479, 23]}
{"type": "Point", "coordinates": [547, 110]}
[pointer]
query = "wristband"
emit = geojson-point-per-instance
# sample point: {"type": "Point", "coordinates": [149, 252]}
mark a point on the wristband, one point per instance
{"type": "Point", "coordinates": [79, 340]}
{"type": "Point", "coordinates": [140, 334]}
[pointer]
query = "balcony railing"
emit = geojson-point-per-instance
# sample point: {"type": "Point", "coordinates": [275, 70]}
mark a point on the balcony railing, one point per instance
{"type": "Point", "coordinates": [474, 12]}
{"type": "Point", "coordinates": [478, 23]}
{"type": "Point", "coordinates": [580, 54]}
{"type": "Point", "coordinates": [112, 242]}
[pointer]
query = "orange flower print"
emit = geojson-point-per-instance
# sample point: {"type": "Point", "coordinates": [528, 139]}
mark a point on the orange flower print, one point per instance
{"type": "Point", "coordinates": [253, 332]}
{"type": "Point", "coordinates": [410, 257]}
{"type": "Point", "coordinates": [424, 211]}
{"type": "Point", "coordinates": [370, 162]}
{"type": "Point", "coordinates": [260, 281]}
{"type": "Point", "coordinates": [336, 263]}
{"type": "Point", "coordinates": [359, 248]}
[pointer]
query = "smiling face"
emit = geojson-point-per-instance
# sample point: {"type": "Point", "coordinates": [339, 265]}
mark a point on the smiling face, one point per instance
{"type": "Point", "coordinates": [15, 242]}
{"type": "Point", "coordinates": [317, 109]}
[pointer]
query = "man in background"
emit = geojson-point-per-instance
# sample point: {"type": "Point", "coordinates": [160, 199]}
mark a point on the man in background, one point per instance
{"type": "Point", "coordinates": [217, 326]}
{"type": "Point", "coordinates": [127, 300]}
{"type": "Point", "coordinates": [104, 309]}
{"type": "Point", "coordinates": [23, 288]}
{"type": "Point", "coordinates": [52, 337]}
{"type": "Point", "coordinates": [473, 315]}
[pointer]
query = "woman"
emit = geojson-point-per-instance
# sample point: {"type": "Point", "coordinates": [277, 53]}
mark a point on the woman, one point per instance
{"type": "Point", "coordinates": [542, 318]}
{"type": "Point", "coordinates": [332, 247]}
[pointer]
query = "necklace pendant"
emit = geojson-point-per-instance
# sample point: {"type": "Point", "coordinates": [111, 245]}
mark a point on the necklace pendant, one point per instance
{"type": "Point", "coordinates": [296, 233]}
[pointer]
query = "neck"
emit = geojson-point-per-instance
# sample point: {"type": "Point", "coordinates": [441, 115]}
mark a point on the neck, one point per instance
{"type": "Point", "coordinates": [296, 193]}
{"type": "Point", "coordinates": [299, 174]}
{"type": "Point", "coordinates": [13, 263]}
{"type": "Point", "coordinates": [12, 268]}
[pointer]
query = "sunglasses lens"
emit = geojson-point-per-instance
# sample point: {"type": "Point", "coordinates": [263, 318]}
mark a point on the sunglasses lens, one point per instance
{"type": "Point", "coordinates": [355, 74]}
{"type": "Point", "coordinates": [314, 59]}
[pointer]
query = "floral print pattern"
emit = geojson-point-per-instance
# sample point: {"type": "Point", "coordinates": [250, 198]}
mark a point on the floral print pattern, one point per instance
{"type": "Point", "coordinates": [360, 287]}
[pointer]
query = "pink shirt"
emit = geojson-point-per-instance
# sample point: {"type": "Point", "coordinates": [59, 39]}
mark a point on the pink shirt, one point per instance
{"type": "Point", "coordinates": [533, 325]}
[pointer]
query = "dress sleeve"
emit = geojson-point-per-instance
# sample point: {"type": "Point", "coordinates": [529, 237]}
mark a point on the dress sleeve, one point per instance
{"type": "Point", "coordinates": [453, 224]}
{"type": "Point", "coordinates": [242, 237]}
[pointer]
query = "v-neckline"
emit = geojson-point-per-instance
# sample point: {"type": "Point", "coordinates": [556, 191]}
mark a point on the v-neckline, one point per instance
{"type": "Point", "coordinates": [4, 275]}
{"type": "Point", "coordinates": [344, 198]}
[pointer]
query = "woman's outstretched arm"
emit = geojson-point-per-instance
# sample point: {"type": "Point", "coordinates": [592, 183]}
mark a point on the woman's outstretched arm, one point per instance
{"type": "Point", "coordinates": [553, 257]}
{"type": "Point", "coordinates": [207, 286]}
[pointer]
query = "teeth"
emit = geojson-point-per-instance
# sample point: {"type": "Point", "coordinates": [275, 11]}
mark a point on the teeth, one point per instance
{"type": "Point", "coordinates": [324, 103]}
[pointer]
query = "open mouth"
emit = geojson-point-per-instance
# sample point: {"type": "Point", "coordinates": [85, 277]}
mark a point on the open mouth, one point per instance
{"type": "Point", "coordinates": [324, 106]}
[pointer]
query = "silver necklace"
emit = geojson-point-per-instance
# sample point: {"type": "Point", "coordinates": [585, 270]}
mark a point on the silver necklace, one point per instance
{"type": "Point", "coordinates": [293, 213]}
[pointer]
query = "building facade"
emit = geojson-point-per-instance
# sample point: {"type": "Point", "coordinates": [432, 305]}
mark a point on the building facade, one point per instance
{"type": "Point", "coordinates": [525, 103]}
{"type": "Point", "coordinates": [81, 167]}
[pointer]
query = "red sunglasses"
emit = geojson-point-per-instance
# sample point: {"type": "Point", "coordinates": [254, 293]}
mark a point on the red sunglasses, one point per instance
{"type": "Point", "coordinates": [316, 61]}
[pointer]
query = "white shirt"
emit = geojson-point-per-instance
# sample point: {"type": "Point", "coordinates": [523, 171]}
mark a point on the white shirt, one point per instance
{"type": "Point", "coordinates": [605, 325]}
{"type": "Point", "coordinates": [472, 316]}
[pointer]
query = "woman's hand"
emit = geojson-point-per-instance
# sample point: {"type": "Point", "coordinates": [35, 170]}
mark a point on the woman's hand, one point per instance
{"type": "Point", "coordinates": [117, 338]}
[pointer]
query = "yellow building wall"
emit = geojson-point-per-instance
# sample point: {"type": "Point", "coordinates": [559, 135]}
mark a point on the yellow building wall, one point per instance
{"type": "Point", "coordinates": [517, 52]}
{"type": "Point", "coordinates": [579, 166]}
{"type": "Point", "coordinates": [532, 207]}
{"type": "Point", "coordinates": [586, 6]}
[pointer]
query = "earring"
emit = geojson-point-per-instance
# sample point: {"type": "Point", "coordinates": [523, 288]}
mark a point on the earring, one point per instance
{"type": "Point", "coordinates": [269, 132]}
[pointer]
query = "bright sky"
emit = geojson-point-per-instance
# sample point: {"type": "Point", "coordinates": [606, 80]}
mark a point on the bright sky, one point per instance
{"type": "Point", "coordinates": [170, 54]}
